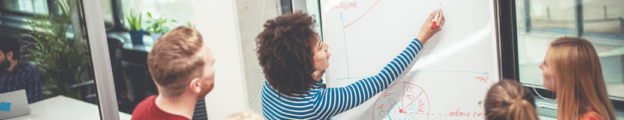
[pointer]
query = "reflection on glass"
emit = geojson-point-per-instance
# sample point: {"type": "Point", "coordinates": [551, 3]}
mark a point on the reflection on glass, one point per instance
{"type": "Point", "coordinates": [26, 6]}
{"type": "Point", "coordinates": [51, 62]}
{"type": "Point", "coordinates": [601, 22]}
{"type": "Point", "coordinates": [107, 13]}
{"type": "Point", "coordinates": [128, 49]}
{"type": "Point", "coordinates": [181, 11]}
{"type": "Point", "coordinates": [603, 18]}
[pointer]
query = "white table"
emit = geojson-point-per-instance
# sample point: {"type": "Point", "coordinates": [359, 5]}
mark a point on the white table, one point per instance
{"type": "Point", "coordinates": [64, 108]}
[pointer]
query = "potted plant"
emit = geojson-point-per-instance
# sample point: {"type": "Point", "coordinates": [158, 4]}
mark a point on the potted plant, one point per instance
{"type": "Point", "coordinates": [136, 32]}
{"type": "Point", "coordinates": [59, 56]}
{"type": "Point", "coordinates": [158, 27]}
{"type": "Point", "coordinates": [190, 24]}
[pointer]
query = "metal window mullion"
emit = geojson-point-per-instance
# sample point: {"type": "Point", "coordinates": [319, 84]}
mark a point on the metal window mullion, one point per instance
{"type": "Point", "coordinates": [578, 17]}
{"type": "Point", "coordinates": [527, 15]}
{"type": "Point", "coordinates": [117, 15]}
{"type": "Point", "coordinates": [51, 7]}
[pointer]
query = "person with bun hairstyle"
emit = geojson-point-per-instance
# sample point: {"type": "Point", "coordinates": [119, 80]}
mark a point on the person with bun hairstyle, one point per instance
{"type": "Point", "coordinates": [572, 70]}
{"type": "Point", "coordinates": [509, 100]}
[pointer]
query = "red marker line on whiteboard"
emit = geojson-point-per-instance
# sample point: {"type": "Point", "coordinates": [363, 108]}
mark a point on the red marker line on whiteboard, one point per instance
{"type": "Point", "coordinates": [435, 18]}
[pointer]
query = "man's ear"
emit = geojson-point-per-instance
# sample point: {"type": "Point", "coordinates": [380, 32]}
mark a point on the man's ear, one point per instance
{"type": "Point", "coordinates": [195, 85]}
{"type": "Point", "coordinates": [9, 55]}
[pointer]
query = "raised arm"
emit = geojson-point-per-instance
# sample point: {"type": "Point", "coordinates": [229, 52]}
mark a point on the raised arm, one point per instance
{"type": "Point", "coordinates": [333, 101]}
{"type": "Point", "coordinates": [338, 100]}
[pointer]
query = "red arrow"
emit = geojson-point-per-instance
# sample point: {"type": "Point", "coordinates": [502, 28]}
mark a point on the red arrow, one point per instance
{"type": "Point", "coordinates": [362, 15]}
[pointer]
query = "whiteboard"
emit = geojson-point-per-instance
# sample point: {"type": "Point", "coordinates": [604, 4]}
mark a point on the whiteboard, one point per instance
{"type": "Point", "coordinates": [447, 80]}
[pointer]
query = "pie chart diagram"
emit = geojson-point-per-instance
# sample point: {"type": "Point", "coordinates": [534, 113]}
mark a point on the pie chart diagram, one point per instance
{"type": "Point", "coordinates": [402, 101]}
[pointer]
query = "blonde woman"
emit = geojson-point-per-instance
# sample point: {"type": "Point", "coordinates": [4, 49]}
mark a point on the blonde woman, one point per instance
{"type": "Point", "coordinates": [509, 100]}
{"type": "Point", "coordinates": [572, 69]}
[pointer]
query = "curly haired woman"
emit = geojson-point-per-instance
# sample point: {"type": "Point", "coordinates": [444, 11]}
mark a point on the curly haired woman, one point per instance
{"type": "Point", "coordinates": [293, 59]}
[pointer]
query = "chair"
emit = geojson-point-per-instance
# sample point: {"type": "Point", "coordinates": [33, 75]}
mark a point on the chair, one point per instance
{"type": "Point", "coordinates": [121, 84]}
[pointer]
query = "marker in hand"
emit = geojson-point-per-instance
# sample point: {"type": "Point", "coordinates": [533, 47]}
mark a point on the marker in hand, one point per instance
{"type": "Point", "coordinates": [435, 18]}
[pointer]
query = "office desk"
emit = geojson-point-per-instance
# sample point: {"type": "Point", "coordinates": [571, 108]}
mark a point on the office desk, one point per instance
{"type": "Point", "coordinates": [64, 108]}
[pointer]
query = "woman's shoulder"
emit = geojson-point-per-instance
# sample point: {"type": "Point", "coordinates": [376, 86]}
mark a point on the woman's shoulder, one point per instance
{"type": "Point", "coordinates": [592, 115]}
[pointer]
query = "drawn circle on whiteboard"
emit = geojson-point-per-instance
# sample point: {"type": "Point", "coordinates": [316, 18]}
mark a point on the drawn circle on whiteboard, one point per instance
{"type": "Point", "coordinates": [402, 101]}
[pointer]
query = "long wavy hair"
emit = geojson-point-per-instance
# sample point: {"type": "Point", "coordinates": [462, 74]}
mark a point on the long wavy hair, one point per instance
{"type": "Point", "coordinates": [285, 53]}
{"type": "Point", "coordinates": [580, 84]}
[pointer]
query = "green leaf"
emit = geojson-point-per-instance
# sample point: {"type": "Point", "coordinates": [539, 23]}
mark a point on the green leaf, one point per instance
{"type": "Point", "coordinates": [148, 29]}
{"type": "Point", "coordinates": [140, 20]}
{"type": "Point", "coordinates": [58, 59]}
{"type": "Point", "coordinates": [149, 14]}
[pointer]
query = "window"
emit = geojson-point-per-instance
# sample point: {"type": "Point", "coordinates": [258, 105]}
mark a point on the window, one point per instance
{"type": "Point", "coordinates": [540, 22]}
{"type": "Point", "coordinates": [26, 6]}
{"type": "Point", "coordinates": [56, 76]}
{"type": "Point", "coordinates": [107, 12]}
{"type": "Point", "coordinates": [133, 82]}
{"type": "Point", "coordinates": [179, 10]}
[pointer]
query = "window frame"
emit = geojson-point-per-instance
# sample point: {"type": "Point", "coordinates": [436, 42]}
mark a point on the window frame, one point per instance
{"type": "Point", "coordinates": [508, 54]}
{"type": "Point", "coordinates": [100, 61]}
{"type": "Point", "coordinates": [49, 3]}
{"type": "Point", "coordinates": [117, 16]}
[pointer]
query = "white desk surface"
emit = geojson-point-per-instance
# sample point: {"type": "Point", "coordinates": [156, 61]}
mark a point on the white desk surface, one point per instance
{"type": "Point", "coordinates": [64, 108]}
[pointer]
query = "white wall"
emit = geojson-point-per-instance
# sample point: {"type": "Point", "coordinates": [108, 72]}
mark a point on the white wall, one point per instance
{"type": "Point", "coordinates": [217, 21]}
{"type": "Point", "coordinates": [252, 14]}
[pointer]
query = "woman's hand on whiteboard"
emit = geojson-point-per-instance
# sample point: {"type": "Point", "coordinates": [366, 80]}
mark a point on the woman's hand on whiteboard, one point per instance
{"type": "Point", "coordinates": [426, 30]}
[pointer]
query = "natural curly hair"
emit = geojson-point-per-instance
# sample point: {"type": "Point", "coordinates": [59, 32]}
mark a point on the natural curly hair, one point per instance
{"type": "Point", "coordinates": [285, 53]}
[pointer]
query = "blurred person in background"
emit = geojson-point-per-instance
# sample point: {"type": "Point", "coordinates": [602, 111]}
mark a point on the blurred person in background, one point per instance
{"type": "Point", "coordinates": [16, 74]}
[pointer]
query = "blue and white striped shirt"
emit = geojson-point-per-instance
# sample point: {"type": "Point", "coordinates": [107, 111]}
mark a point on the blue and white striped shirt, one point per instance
{"type": "Point", "coordinates": [23, 76]}
{"type": "Point", "coordinates": [321, 103]}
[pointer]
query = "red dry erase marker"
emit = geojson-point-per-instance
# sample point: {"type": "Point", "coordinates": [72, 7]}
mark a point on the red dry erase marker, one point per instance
{"type": "Point", "coordinates": [435, 18]}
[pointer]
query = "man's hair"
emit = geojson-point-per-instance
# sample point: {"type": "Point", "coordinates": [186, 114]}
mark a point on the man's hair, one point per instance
{"type": "Point", "coordinates": [509, 100]}
{"type": "Point", "coordinates": [8, 44]}
{"type": "Point", "coordinates": [285, 53]}
{"type": "Point", "coordinates": [174, 60]}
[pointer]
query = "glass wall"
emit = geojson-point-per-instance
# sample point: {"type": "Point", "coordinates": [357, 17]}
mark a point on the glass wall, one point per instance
{"type": "Point", "coordinates": [46, 67]}
{"type": "Point", "coordinates": [540, 22]}
{"type": "Point", "coordinates": [142, 23]}
{"type": "Point", "coordinates": [26, 6]}
{"type": "Point", "coordinates": [107, 13]}
{"type": "Point", "coordinates": [179, 11]}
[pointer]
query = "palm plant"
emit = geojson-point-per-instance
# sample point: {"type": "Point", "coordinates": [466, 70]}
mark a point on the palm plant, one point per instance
{"type": "Point", "coordinates": [58, 56]}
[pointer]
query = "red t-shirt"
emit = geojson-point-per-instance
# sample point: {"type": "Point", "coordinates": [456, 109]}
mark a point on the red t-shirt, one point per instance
{"type": "Point", "coordinates": [592, 115]}
{"type": "Point", "coordinates": [147, 110]}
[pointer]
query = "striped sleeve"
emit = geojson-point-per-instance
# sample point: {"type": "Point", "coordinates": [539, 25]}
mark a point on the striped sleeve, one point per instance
{"type": "Point", "coordinates": [338, 100]}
